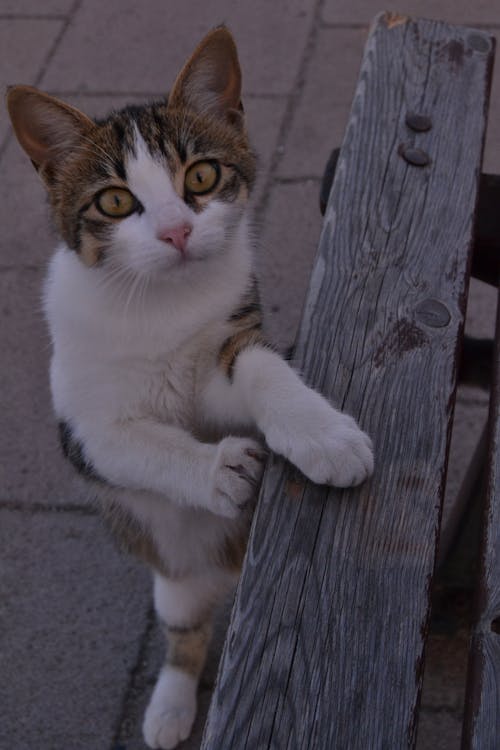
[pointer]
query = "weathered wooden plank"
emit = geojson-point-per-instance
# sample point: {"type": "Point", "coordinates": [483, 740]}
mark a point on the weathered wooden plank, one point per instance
{"type": "Point", "coordinates": [482, 706]}
{"type": "Point", "coordinates": [325, 645]}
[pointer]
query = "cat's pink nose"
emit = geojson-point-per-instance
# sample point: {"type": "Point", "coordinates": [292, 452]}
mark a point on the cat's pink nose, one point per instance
{"type": "Point", "coordinates": [176, 236]}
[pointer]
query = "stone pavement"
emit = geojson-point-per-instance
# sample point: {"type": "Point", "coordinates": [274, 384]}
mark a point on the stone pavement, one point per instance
{"type": "Point", "coordinates": [79, 646]}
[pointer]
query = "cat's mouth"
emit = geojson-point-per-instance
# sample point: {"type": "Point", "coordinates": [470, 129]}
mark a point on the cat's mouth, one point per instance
{"type": "Point", "coordinates": [177, 263]}
{"type": "Point", "coordinates": [184, 257]}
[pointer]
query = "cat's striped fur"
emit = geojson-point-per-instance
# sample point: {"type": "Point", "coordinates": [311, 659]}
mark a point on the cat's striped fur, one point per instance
{"type": "Point", "coordinates": [163, 384]}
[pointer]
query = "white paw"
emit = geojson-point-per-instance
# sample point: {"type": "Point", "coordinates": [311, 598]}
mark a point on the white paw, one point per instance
{"type": "Point", "coordinates": [171, 711]}
{"type": "Point", "coordinates": [329, 448]}
{"type": "Point", "coordinates": [236, 474]}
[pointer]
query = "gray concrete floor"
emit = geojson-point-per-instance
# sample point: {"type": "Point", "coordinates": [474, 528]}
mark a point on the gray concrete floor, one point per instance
{"type": "Point", "coordinates": [79, 646]}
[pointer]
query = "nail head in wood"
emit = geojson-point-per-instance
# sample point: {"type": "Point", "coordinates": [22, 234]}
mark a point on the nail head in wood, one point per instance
{"type": "Point", "coordinates": [479, 43]}
{"type": "Point", "coordinates": [433, 313]}
{"type": "Point", "coordinates": [414, 156]}
{"type": "Point", "coordinates": [417, 122]}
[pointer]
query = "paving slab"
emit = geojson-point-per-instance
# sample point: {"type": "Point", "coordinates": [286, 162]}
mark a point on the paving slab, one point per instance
{"type": "Point", "coordinates": [140, 47]}
{"type": "Point", "coordinates": [481, 309]}
{"type": "Point", "coordinates": [28, 238]}
{"type": "Point", "coordinates": [321, 116]}
{"type": "Point", "coordinates": [287, 248]}
{"type": "Point", "coordinates": [24, 47]}
{"type": "Point", "coordinates": [76, 613]}
{"type": "Point", "coordinates": [264, 119]}
{"type": "Point", "coordinates": [32, 469]}
{"type": "Point", "coordinates": [363, 11]}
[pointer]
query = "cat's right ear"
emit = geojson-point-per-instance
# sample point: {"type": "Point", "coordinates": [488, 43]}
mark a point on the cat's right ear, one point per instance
{"type": "Point", "coordinates": [47, 128]}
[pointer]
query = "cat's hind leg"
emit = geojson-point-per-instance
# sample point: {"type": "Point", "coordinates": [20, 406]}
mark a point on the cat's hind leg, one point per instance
{"type": "Point", "coordinates": [172, 709]}
{"type": "Point", "coordinates": [185, 610]}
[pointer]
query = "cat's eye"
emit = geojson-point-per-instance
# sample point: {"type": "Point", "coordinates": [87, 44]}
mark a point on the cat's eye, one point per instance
{"type": "Point", "coordinates": [202, 177]}
{"type": "Point", "coordinates": [116, 202]}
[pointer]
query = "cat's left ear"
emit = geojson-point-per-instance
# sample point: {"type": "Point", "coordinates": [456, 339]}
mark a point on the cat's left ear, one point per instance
{"type": "Point", "coordinates": [47, 128]}
{"type": "Point", "coordinates": [210, 81]}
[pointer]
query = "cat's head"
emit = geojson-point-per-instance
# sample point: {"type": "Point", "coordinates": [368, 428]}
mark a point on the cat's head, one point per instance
{"type": "Point", "coordinates": [153, 189]}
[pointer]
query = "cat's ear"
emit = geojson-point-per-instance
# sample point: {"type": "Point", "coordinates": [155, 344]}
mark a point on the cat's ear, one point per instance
{"type": "Point", "coordinates": [210, 81]}
{"type": "Point", "coordinates": [47, 128]}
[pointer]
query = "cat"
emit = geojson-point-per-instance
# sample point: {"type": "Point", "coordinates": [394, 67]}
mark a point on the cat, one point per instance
{"type": "Point", "coordinates": [167, 394]}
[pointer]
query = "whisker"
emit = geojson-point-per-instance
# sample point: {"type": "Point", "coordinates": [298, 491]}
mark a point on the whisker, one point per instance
{"type": "Point", "coordinates": [117, 280]}
{"type": "Point", "coordinates": [99, 149]}
{"type": "Point", "coordinates": [96, 150]}
{"type": "Point", "coordinates": [135, 285]}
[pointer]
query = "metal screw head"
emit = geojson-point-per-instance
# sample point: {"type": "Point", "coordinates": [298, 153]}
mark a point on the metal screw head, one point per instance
{"type": "Point", "coordinates": [479, 43]}
{"type": "Point", "coordinates": [414, 156]}
{"type": "Point", "coordinates": [417, 122]}
{"type": "Point", "coordinates": [433, 313]}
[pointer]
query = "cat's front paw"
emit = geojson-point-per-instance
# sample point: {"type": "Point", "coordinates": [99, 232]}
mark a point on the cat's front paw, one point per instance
{"type": "Point", "coordinates": [171, 711]}
{"type": "Point", "coordinates": [328, 450]}
{"type": "Point", "coordinates": [236, 475]}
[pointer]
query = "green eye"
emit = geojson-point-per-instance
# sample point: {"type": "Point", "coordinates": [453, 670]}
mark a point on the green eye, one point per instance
{"type": "Point", "coordinates": [116, 202]}
{"type": "Point", "coordinates": [202, 177]}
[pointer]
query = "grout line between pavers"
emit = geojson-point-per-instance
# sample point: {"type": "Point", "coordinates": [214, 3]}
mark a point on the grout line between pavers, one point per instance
{"type": "Point", "coordinates": [30, 508]}
{"type": "Point", "coordinates": [474, 397]}
{"type": "Point", "coordinates": [121, 734]}
{"type": "Point", "coordinates": [286, 122]}
{"type": "Point", "coordinates": [9, 267]}
{"type": "Point", "coordinates": [269, 95]}
{"type": "Point", "coordinates": [103, 94]}
{"type": "Point", "coordinates": [345, 25]}
{"type": "Point", "coordinates": [153, 94]}
{"type": "Point", "coordinates": [475, 401]}
{"type": "Point", "coordinates": [33, 17]}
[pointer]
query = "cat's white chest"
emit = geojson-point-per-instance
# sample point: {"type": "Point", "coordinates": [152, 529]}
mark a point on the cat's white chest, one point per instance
{"type": "Point", "coordinates": [167, 387]}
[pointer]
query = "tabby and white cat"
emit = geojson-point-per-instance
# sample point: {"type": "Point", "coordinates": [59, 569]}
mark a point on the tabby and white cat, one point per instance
{"type": "Point", "coordinates": [161, 380]}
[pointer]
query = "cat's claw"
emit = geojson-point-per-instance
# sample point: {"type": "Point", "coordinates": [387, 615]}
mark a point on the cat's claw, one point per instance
{"type": "Point", "coordinates": [236, 475]}
{"type": "Point", "coordinates": [333, 451]}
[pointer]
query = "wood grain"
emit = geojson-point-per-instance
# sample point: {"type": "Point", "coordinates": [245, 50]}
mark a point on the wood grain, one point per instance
{"type": "Point", "coordinates": [482, 709]}
{"type": "Point", "coordinates": [325, 645]}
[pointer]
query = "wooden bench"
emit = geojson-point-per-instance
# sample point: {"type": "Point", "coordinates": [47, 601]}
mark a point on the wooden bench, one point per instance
{"type": "Point", "coordinates": [325, 649]}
